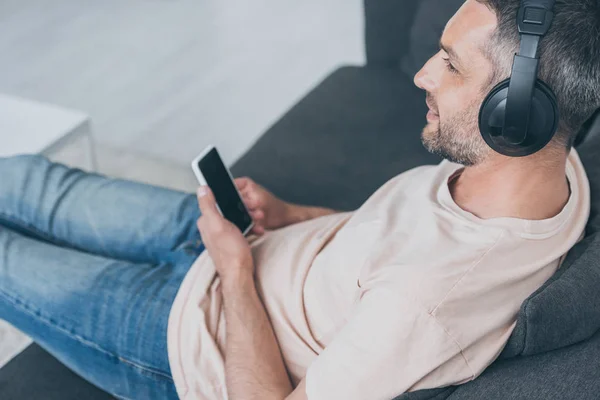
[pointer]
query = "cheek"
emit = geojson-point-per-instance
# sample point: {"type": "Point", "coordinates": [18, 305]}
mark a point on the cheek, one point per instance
{"type": "Point", "coordinates": [455, 102]}
{"type": "Point", "coordinates": [448, 105]}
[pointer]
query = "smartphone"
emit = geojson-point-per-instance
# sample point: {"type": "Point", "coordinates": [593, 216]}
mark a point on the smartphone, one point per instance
{"type": "Point", "coordinates": [210, 170]}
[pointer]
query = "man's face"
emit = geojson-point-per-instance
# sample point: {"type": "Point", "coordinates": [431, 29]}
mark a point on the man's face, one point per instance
{"type": "Point", "coordinates": [456, 82]}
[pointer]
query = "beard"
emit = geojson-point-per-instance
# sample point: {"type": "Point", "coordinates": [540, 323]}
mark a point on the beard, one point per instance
{"type": "Point", "coordinates": [456, 139]}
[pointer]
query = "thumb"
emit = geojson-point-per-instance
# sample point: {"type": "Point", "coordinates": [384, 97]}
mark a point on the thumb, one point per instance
{"type": "Point", "coordinates": [206, 201]}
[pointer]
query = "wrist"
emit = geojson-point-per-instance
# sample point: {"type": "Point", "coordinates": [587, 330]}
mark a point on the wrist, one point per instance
{"type": "Point", "coordinates": [235, 280]}
{"type": "Point", "coordinates": [295, 214]}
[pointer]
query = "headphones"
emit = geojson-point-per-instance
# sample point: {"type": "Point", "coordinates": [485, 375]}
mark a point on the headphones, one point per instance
{"type": "Point", "coordinates": [520, 115]}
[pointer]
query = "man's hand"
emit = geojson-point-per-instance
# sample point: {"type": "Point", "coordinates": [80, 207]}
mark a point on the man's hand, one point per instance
{"type": "Point", "coordinates": [227, 246]}
{"type": "Point", "coordinates": [254, 368]}
{"type": "Point", "coordinates": [267, 210]}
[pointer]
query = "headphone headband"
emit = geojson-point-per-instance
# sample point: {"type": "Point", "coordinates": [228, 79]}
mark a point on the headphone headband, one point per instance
{"type": "Point", "coordinates": [533, 20]}
{"type": "Point", "coordinates": [520, 114]}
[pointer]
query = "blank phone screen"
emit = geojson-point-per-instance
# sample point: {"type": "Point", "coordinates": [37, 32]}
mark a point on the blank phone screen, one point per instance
{"type": "Point", "coordinates": [227, 197]}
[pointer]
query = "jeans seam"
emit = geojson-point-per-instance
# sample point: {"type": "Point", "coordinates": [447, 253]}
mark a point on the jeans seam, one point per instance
{"type": "Point", "coordinates": [82, 340]}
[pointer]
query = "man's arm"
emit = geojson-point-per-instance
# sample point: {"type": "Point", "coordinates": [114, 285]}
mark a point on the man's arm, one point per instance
{"type": "Point", "coordinates": [269, 212]}
{"type": "Point", "coordinates": [254, 367]}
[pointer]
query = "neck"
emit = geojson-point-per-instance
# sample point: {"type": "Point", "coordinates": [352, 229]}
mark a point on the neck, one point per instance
{"type": "Point", "coordinates": [531, 188]}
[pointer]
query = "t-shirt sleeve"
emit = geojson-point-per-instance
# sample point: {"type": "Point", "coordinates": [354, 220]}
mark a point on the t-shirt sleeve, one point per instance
{"type": "Point", "coordinates": [389, 344]}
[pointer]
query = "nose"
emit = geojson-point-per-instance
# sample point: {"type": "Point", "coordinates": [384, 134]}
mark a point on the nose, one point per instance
{"type": "Point", "coordinates": [426, 78]}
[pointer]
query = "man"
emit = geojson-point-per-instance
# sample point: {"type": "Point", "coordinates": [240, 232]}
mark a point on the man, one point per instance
{"type": "Point", "coordinates": [418, 288]}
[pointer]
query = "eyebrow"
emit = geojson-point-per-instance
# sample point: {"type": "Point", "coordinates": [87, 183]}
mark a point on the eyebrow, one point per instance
{"type": "Point", "coordinates": [453, 55]}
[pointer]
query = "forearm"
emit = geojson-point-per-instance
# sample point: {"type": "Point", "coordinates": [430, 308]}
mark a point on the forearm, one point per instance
{"type": "Point", "coordinates": [298, 213]}
{"type": "Point", "coordinates": [254, 367]}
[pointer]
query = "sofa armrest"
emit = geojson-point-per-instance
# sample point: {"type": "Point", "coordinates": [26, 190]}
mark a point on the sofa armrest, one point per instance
{"type": "Point", "coordinates": [387, 30]}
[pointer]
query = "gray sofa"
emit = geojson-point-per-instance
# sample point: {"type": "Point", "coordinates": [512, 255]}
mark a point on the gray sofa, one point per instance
{"type": "Point", "coordinates": [353, 132]}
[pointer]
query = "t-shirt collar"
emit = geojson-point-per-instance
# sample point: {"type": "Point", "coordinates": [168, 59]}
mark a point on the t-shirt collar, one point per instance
{"type": "Point", "coordinates": [534, 229]}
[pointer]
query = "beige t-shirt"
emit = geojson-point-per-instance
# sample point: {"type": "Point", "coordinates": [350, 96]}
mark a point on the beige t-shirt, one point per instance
{"type": "Point", "coordinates": [406, 293]}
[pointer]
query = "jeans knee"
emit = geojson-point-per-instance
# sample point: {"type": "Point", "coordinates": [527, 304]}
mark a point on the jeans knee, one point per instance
{"type": "Point", "coordinates": [16, 165]}
{"type": "Point", "coordinates": [16, 171]}
{"type": "Point", "coordinates": [28, 160]}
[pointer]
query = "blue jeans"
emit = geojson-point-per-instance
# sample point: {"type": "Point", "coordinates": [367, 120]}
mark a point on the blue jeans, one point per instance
{"type": "Point", "coordinates": [89, 268]}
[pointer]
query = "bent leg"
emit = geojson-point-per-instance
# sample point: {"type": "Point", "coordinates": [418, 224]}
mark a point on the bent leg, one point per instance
{"type": "Point", "coordinates": [104, 319]}
{"type": "Point", "coordinates": [110, 217]}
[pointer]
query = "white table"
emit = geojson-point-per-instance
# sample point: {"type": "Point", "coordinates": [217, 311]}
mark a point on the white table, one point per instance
{"type": "Point", "coordinates": [28, 127]}
{"type": "Point", "coordinates": [12, 342]}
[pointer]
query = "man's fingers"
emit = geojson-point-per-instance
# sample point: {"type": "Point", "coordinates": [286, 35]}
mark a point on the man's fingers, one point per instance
{"type": "Point", "coordinates": [250, 199]}
{"type": "Point", "coordinates": [257, 214]}
{"type": "Point", "coordinates": [258, 230]}
{"type": "Point", "coordinates": [201, 225]}
{"type": "Point", "coordinates": [245, 197]}
{"type": "Point", "coordinates": [242, 183]}
{"type": "Point", "coordinates": [206, 201]}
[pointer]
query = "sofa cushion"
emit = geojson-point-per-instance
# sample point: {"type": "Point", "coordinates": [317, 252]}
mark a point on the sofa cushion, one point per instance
{"type": "Point", "coordinates": [35, 374]}
{"type": "Point", "coordinates": [425, 33]}
{"type": "Point", "coordinates": [569, 373]}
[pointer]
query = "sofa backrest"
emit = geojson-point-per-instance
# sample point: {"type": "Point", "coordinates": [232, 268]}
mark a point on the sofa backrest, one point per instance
{"type": "Point", "coordinates": [387, 30]}
{"type": "Point", "coordinates": [405, 33]}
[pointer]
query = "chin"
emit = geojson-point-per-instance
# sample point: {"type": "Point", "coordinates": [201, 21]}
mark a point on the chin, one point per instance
{"type": "Point", "coordinates": [430, 131]}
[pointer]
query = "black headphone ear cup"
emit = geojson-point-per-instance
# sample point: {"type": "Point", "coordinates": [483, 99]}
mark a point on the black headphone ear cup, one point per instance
{"type": "Point", "coordinates": [492, 113]}
{"type": "Point", "coordinates": [543, 120]}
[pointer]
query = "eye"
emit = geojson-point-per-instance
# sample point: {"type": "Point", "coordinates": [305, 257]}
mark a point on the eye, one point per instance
{"type": "Point", "coordinates": [449, 66]}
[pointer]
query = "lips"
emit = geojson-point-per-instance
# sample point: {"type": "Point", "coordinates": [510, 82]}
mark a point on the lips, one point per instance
{"type": "Point", "coordinates": [431, 108]}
